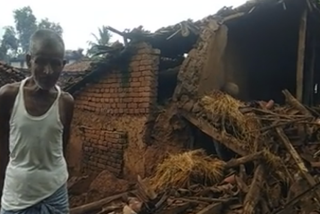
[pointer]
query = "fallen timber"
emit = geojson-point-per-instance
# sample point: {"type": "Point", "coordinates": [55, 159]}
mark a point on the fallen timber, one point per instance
{"type": "Point", "coordinates": [284, 149]}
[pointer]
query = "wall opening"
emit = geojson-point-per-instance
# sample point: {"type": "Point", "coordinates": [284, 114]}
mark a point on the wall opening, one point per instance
{"type": "Point", "coordinates": [261, 52]}
{"type": "Point", "coordinates": [167, 79]}
{"type": "Point", "coordinates": [173, 53]}
{"type": "Point", "coordinates": [203, 141]}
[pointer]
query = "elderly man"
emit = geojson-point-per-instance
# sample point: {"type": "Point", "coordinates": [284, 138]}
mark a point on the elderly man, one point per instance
{"type": "Point", "coordinates": [35, 117]}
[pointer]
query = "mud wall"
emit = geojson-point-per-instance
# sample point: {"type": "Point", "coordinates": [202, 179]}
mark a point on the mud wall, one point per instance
{"type": "Point", "coordinates": [111, 105]}
{"type": "Point", "coordinates": [103, 149]}
{"type": "Point", "coordinates": [203, 70]}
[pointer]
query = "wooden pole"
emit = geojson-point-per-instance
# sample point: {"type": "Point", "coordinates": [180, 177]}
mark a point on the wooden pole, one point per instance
{"type": "Point", "coordinates": [301, 52]}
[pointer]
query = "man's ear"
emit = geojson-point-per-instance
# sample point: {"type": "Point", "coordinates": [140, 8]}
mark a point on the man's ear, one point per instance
{"type": "Point", "coordinates": [28, 60]}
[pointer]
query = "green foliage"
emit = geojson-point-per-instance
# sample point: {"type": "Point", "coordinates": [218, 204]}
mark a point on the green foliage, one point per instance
{"type": "Point", "coordinates": [26, 25]}
{"type": "Point", "coordinates": [15, 40]}
{"type": "Point", "coordinates": [102, 39]}
{"type": "Point", "coordinates": [46, 24]}
{"type": "Point", "coordinates": [9, 42]}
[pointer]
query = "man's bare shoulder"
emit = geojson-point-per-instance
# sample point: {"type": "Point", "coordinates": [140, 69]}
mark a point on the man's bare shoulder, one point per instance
{"type": "Point", "coordinates": [67, 98]}
{"type": "Point", "coordinates": [9, 90]}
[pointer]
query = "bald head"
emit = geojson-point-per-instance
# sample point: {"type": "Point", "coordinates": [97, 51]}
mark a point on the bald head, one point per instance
{"type": "Point", "coordinates": [46, 40]}
{"type": "Point", "coordinates": [45, 58]}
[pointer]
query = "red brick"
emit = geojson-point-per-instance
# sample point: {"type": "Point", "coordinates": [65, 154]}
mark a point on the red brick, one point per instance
{"type": "Point", "coordinates": [135, 84]}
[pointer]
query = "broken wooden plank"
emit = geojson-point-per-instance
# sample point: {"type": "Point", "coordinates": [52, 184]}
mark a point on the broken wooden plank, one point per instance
{"type": "Point", "coordinates": [295, 103]}
{"type": "Point", "coordinates": [178, 209]}
{"type": "Point", "coordinates": [238, 161]}
{"type": "Point", "coordinates": [253, 196]}
{"type": "Point", "coordinates": [86, 208]}
{"type": "Point", "coordinates": [233, 16]}
{"type": "Point", "coordinates": [301, 55]}
{"type": "Point", "coordinates": [213, 208]}
{"type": "Point", "coordinates": [212, 200]}
{"type": "Point", "coordinates": [192, 200]}
{"type": "Point", "coordinates": [207, 128]}
{"type": "Point", "coordinates": [290, 204]}
{"type": "Point", "coordinates": [297, 159]}
{"type": "Point", "coordinates": [110, 209]}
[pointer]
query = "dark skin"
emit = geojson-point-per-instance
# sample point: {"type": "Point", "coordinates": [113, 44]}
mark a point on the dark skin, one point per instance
{"type": "Point", "coordinates": [45, 66]}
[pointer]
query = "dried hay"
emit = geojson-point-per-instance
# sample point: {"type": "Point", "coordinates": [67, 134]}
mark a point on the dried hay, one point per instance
{"type": "Point", "coordinates": [185, 169]}
{"type": "Point", "coordinates": [225, 112]}
{"type": "Point", "coordinates": [275, 163]}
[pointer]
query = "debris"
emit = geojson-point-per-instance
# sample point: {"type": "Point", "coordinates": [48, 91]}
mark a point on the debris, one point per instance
{"type": "Point", "coordinates": [280, 142]}
{"type": "Point", "coordinates": [185, 169]}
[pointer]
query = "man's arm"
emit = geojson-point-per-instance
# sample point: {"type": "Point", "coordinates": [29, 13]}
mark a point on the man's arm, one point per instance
{"type": "Point", "coordinates": [6, 103]}
{"type": "Point", "coordinates": [68, 109]}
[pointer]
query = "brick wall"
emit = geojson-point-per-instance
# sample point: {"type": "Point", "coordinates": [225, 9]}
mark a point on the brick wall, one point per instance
{"type": "Point", "coordinates": [103, 150]}
{"type": "Point", "coordinates": [110, 104]}
{"type": "Point", "coordinates": [113, 95]}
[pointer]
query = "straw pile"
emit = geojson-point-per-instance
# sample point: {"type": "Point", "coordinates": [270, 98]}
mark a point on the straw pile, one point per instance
{"type": "Point", "coordinates": [183, 170]}
{"type": "Point", "coordinates": [224, 112]}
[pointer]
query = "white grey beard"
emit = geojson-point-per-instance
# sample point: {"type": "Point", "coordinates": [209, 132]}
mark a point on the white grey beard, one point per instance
{"type": "Point", "coordinates": [40, 86]}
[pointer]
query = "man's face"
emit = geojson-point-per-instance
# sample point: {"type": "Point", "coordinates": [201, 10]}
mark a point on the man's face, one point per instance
{"type": "Point", "coordinates": [46, 67]}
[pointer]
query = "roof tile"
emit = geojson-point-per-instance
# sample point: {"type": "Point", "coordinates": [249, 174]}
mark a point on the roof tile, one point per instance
{"type": "Point", "coordinates": [79, 66]}
{"type": "Point", "coordinates": [8, 74]}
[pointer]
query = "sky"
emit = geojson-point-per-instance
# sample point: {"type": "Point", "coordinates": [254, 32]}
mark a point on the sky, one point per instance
{"type": "Point", "coordinates": [81, 18]}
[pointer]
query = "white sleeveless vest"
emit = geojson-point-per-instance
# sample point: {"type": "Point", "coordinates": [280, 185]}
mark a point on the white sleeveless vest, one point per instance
{"type": "Point", "coordinates": [37, 167]}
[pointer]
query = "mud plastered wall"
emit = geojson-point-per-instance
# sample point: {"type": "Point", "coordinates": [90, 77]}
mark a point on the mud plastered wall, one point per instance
{"type": "Point", "coordinates": [203, 69]}
{"type": "Point", "coordinates": [103, 149]}
{"type": "Point", "coordinates": [110, 105]}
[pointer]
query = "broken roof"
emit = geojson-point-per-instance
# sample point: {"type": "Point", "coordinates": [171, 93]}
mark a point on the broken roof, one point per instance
{"type": "Point", "coordinates": [8, 74]}
{"type": "Point", "coordinates": [74, 72]}
{"type": "Point", "coordinates": [113, 55]}
{"type": "Point", "coordinates": [187, 31]}
{"type": "Point", "coordinates": [182, 35]}
{"type": "Point", "coordinates": [78, 66]}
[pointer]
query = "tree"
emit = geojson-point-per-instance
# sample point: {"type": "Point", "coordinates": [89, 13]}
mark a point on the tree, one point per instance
{"type": "Point", "coordinates": [102, 39]}
{"type": "Point", "coordinates": [9, 44]}
{"type": "Point", "coordinates": [46, 24]}
{"type": "Point", "coordinates": [9, 39]}
{"type": "Point", "coordinates": [26, 25]}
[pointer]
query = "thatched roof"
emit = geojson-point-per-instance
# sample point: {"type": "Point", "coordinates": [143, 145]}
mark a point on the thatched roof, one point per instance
{"type": "Point", "coordinates": [8, 74]}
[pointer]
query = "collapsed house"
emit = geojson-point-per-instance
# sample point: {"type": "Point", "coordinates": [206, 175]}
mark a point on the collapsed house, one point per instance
{"type": "Point", "coordinates": [164, 82]}
{"type": "Point", "coordinates": [264, 47]}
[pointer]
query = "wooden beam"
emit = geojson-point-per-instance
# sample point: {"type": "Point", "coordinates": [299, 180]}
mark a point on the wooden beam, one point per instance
{"type": "Point", "coordinates": [178, 209]}
{"type": "Point", "coordinates": [211, 209]}
{"type": "Point", "coordinates": [297, 159]}
{"type": "Point", "coordinates": [86, 208]}
{"type": "Point", "coordinates": [301, 55]}
{"type": "Point", "coordinates": [253, 196]}
{"type": "Point", "coordinates": [208, 129]}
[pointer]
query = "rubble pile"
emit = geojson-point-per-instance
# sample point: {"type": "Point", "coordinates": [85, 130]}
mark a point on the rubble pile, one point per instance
{"type": "Point", "coordinates": [282, 143]}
